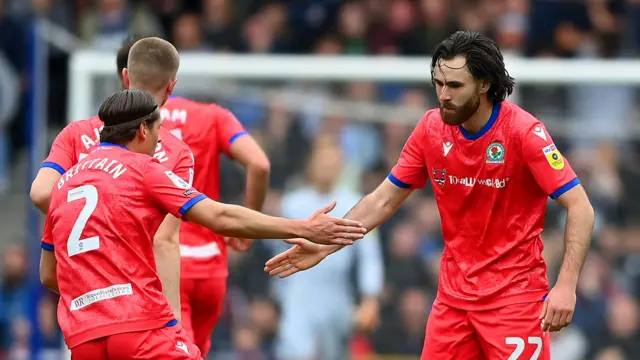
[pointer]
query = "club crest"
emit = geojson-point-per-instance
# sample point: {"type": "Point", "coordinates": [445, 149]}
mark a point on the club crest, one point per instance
{"type": "Point", "coordinates": [495, 153]}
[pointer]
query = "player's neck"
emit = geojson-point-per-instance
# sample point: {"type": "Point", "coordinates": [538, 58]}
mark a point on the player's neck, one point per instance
{"type": "Point", "coordinates": [159, 96]}
{"type": "Point", "coordinates": [135, 146]}
{"type": "Point", "coordinates": [479, 118]}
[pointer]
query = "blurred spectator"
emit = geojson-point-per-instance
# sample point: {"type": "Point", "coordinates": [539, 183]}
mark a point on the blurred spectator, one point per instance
{"type": "Point", "coordinates": [220, 29]}
{"type": "Point", "coordinates": [319, 310]}
{"type": "Point", "coordinates": [109, 22]}
{"type": "Point", "coordinates": [187, 33]}
{"type": "Point", "coordinates": [402, 330]}
{"type": "Point", "coordinates": [14, 299]}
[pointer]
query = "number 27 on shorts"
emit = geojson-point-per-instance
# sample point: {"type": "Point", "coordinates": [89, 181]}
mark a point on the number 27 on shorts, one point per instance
{"type": "Point", "coordinates": [521, 345]}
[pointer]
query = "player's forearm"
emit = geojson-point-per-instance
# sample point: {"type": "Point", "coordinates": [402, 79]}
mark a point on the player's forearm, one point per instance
{"type": "Point", "coordinates": [238, 221]}
{"type": "Point", "coordinates": [579, 226]}
{"type": "Point", "coordinates": [371, 211]}
{"type": "Point", "coordinates": [48, 274]}
{"type": "Point", "coordinates": [53, 287]}
{"type": "Point", "coordinates": [43, 205]}
{"type": "Point", "coordinates": [167, 255]}
{"type": "Point", "coordinates": [50, 282]}
{"type": "Point", "coordinates": [257, 187]}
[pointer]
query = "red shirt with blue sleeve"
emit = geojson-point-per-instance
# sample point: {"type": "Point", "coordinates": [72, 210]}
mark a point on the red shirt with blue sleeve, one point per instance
{"type": "Point", "coordinates": [209, 130]}
{"type": "Point", "coordinates": [491, 188]}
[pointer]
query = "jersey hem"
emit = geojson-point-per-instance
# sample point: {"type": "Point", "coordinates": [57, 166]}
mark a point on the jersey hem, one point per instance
{"type": "Point", "coordinates": [112, 329]}
{"type": "Point", "coordinates": [490, 303]}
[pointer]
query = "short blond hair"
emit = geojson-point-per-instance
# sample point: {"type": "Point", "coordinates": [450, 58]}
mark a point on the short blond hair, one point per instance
{"type": "Point", "coordinates": [152, 63]}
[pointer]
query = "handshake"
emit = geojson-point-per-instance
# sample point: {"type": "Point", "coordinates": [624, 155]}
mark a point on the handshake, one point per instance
{"type": "Point", "coordinates": [318, 236]}
{"type": "Point", "coordinates": [329, 235]}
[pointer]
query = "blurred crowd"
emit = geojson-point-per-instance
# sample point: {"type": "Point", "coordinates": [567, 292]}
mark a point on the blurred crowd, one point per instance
{"type": "Point", "coordinates": [315, 156]}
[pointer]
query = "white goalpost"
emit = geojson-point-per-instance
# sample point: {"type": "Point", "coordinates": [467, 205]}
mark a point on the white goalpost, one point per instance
{"type": "Point", "coordinates": [85, 66]}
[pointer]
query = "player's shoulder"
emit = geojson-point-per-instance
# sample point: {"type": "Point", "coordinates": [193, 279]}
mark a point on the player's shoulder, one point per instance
{"type": "Point", "coordinates": [131, 159]}
{"type": "Point", "coordinates": [431, 124]}
{"type": "Point", "coordinates": [84, 125]}
{"type": "Point", "coordinates": [431, 117]}
{"type": "Point", "coordinates": [171, 141]}
{"type": "Point", "coordinates": [178, 102]}
{"type": "Point", "coordinates": [520, 120]}
{"type": "Point", "coordinates": [179, 108]}
{"type": "Point", "coordinates": [140, 165]}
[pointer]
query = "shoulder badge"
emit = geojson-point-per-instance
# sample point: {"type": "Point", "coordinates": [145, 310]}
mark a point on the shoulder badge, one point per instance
{"type": "Point", "coordinates": [554, 158]}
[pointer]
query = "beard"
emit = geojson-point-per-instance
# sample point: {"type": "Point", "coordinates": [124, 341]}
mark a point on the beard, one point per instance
{"type": "Point", "coordinates": [460, 113]}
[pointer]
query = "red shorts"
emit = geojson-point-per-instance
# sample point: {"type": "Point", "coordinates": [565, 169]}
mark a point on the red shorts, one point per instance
{"type": "Point", "coordinates": [202, 301]}
{"type": "Point", "coordinates": [511, 332]}
{"type": "Point", "coordinates": [157, 344]}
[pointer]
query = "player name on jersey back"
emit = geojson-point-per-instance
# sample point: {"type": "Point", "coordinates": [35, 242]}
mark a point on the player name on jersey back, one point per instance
{"type": "Point", "coordinates": [112, 167]}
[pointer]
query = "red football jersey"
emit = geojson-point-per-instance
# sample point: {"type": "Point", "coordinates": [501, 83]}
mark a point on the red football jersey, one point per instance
{"type": "Point", "coordinates": [491, 188]}
{"type": "Point", "coordinates": [104, 213]}
{"type": "Point", "coordinates": [78, 138]}
{"type": "Point", "coordinates": [209, 130]}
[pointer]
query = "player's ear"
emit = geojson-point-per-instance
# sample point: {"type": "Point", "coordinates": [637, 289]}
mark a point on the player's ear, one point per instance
{"type": "Point", "coordinates": [484, 86]}
{"type": "Point", "coordinates": [143, 131]}
{"type": "Point", "coordinates": [125, 77]}
{"type": "Point", "coordinates": [171, 86]}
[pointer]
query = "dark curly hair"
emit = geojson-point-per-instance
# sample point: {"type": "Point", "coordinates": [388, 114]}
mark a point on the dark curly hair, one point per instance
{"type": "Point", "coordinates": [484, 61]}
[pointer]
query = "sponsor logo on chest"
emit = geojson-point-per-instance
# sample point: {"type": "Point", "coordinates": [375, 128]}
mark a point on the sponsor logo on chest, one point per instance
{"type": "Point", "coordinates": [453, 171]}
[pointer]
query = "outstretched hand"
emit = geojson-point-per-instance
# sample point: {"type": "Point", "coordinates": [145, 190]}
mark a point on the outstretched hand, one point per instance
{"type": "Point", "coordinates": [302, 256]}
{"type": "Point", "coordinates": [328, 230]}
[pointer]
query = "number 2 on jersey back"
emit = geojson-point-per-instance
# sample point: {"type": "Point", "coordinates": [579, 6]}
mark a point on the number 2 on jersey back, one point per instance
{"type": "Point", "coordinates": [75, 245]}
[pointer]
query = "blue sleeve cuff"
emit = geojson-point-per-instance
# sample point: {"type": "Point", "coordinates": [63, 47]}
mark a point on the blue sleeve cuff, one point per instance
{"type": "Point", "coordinates": [564, 188]}
{"type": "Point", "coordinates": [46, 246]}
{"type": "Point", "coordinates": [54, 166]}
{"type": "Point", "coordinates": [237, 135]}
{"type": "Point", "coordinates": [190, 203]}
{"type": "Point", "coordinates": [397, 182]}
